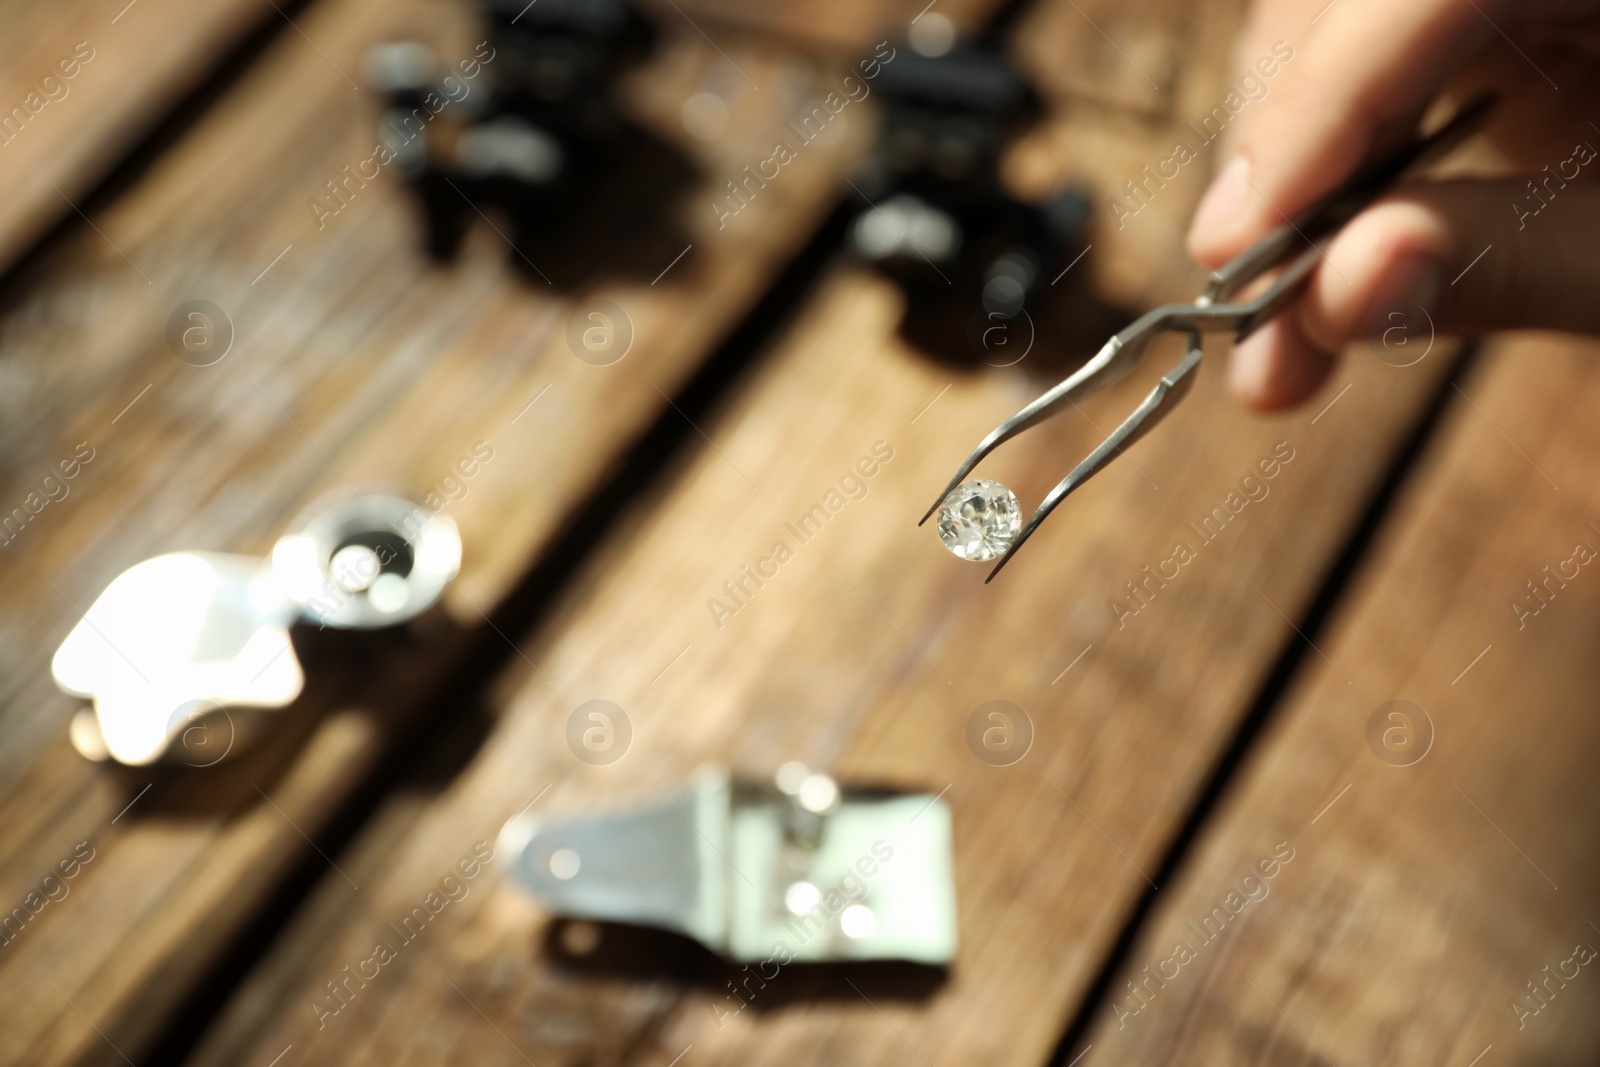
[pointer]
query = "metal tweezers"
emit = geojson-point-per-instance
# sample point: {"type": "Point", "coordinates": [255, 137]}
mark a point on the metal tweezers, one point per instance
{"type": "Point", "coordinates": [1292, 243]}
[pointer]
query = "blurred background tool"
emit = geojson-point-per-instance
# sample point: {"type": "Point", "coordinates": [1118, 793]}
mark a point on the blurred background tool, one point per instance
{"type": "Point", "coordinates": [793, 870]}
{"type": "Point", "coordinates": [535, 146]}
{"type": "Point", "coordinates": [1133, 744]}
{"type": "Point", "coordinates": [970, 257]}
{"type": "Point", "coordinates": [177, 645]}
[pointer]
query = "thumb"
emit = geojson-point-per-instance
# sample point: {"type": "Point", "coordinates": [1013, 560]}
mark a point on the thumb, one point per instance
{"type": "Point", "coordinates": [1454, 257]}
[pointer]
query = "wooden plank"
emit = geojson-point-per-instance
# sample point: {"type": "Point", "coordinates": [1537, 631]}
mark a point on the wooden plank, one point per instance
{"type": "Point", "coordinates": [865, 655]}
{"type": "Point", "coordinates": [353, 358]}
{"type": "Point", "coordinates": [819, 24]}
{"type": "Point", "coordinates": [1117, 63]}
{"type": "Point", "coordinates": [91, 78]}
{"type": "Point", "coordinates": [1428, 885]}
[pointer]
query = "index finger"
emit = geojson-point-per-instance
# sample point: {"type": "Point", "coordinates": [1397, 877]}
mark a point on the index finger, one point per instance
{"type": "Point", "coordinates": [1355, 70]}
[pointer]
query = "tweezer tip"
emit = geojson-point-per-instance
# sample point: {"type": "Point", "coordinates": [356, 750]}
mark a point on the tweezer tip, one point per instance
{"type": "Point", "coordinates": [1003, 561]}
{"type": "Point", "coordinates": [1022, 537]}
{"type": "Point", "coordinates": [942, 498]}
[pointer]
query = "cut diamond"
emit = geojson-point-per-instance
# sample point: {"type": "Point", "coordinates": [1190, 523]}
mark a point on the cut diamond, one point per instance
{"type": "Point", "coordinates": [979, 520]}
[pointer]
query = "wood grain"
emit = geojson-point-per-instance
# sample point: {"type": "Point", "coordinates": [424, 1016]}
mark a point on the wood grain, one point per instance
{"type": "Point", "coordinates": [865, 655]}
{"type": "Point", "coordinates": [1115, 61]}
{"type": "Point", "coordinates": [354, 360]}
{"type": "Point", "coordinates": [828, 25]}
{"type": "Point", "coordinates": [145, 56]}
{"type": "Point", "coordinates": [92, 78]}
{"type": "Point", "coordinates": [1422, 896]}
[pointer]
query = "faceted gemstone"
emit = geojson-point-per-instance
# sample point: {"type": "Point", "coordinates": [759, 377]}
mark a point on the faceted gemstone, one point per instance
{"type": "Point", "coordinates": [979, 520]}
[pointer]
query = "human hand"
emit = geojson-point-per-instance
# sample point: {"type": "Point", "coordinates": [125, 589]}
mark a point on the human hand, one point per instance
{"type": "Point", "coordinates": [1363, 73]}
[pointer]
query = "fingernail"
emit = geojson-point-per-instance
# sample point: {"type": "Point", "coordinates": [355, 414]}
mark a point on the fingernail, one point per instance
{"type": "Point", "coordinates": [1404, 299]}
{"type": "Point", "coordinates": [1225, 204]}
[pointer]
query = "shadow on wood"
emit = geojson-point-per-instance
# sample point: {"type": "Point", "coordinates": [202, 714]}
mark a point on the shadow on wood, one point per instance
{"type": "Point", "coordinates": [619, 950]}
{"type": "Point", "coordinates": [1050, 341]}
{"type": "Point", "coordinates": [224, 763]}
{"type": "Point", "coordinates": [613, 213]}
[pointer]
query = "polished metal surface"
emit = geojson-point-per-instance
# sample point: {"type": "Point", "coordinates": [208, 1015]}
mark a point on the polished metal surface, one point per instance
{"type": "Point", "coordinates": [175, 643]}
{"type": "Point", "coordinates": [810, 873]}
{"type": "Point", "coordinates": [1290, 247]}
{"type": "Point", "coordinates": [169, 638]}
{"type": "Point", "coordinates": [363, 560]}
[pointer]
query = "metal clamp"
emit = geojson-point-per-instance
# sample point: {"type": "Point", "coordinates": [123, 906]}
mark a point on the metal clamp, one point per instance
{"type": "Point", "coordinates": [794, 869]}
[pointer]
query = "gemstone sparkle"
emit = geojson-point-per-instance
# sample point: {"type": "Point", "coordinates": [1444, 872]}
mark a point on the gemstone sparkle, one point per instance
{"type": "Point", "coordinates": [979, 520]}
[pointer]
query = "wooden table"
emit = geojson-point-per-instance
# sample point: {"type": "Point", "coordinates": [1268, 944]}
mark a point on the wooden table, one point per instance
{"type": "Point", "coordinates": [1201, 775]}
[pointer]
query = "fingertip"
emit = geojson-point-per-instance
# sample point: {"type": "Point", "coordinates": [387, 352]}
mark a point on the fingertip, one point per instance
{"type": "Point", "coordinates": [1205, 249]}
{"type": "Point", "coordinates": [1226, 215]}
{"type": "Point", "coordinates": [1248, 366]}
{"type": "Point", "coordinates": [1277, 367]}
{"type": "Point", "coordinates": [1388, 261]}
